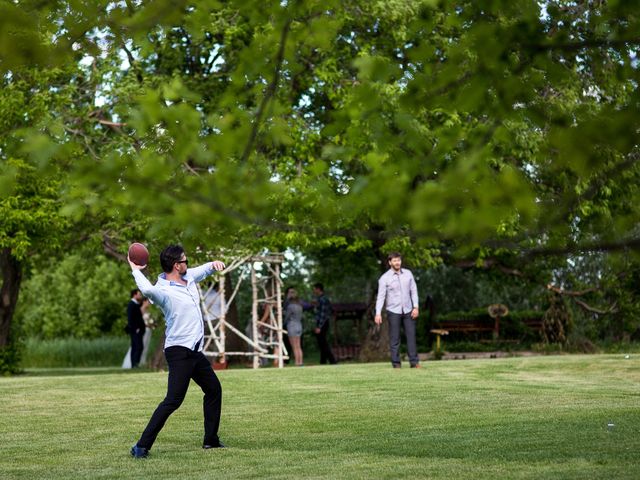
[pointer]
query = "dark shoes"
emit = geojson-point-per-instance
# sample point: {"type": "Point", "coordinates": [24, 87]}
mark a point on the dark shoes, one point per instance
{"type": "Point", "coordinates": [207, 446]}
{"type": "Point", "coordinates": [139, 452]}
{"type": "Point", "coordinates": [417, 365]}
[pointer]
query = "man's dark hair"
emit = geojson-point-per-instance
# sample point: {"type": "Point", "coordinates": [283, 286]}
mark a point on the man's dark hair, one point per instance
{"type": "Point", "coordinates": [393, 255]}
{"type": "Point", "coordinates": [170, 256]}
{"type": "Point", "coordinates": [319, 286]}
{"type": "Point", "coordinates": [134, 291]}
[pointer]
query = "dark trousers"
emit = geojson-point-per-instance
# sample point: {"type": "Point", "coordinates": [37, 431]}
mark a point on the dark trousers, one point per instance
{"type": "Point", "coordinates": [409, 324]}
{"type": "Point", "coordinates": [184, 365]}
{"type": "Point", "coordinates": [326, 355]}
{"type": "Point", "coordinates": [136, 348]}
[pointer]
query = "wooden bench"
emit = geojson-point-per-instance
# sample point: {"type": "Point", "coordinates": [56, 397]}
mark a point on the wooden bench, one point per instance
{"type": "Point", "coordinates": [346, 352]}
{"type": "Point", "coordinates": [464, 326]}
{"type": "Point", "coordinates": [481, 325]}
{"type": "Point", "coordinates": [534, 323]}
{"type": "Point", "coordinates": [347, 348]}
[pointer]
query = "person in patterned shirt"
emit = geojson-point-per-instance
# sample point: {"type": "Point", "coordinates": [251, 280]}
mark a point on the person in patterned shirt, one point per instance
{"type": "Point", "coordinates": [323, 314]}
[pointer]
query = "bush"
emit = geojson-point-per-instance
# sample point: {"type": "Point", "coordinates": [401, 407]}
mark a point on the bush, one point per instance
{"type": "Point", "coordinates": [10, 359]}
{"type": "Point", "coordinates": [11, 353]}
{"type": "Point", "coordinates": [78, 297]}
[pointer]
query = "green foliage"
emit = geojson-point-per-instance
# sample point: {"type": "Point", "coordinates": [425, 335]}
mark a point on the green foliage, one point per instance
{"type": "Point", "coordinates": [455, 289]}
{"type": "Point", "coordinates": [77, 296]}
{"type": "Point", "coordinates": [432, 121]}
{"type": "Point", "coordinates": [483, 130]}
{"type": "Point", "coordinates": [30, 217]}
{"type": "Point", "coordinates": [10, 356]}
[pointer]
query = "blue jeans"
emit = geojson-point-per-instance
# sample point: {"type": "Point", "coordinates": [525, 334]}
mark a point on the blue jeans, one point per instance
{"type": "Point", "coordinates": [409, 324]}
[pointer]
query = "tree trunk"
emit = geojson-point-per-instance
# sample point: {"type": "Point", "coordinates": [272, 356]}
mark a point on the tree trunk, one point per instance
{"type": "Point", "coordinates": [158, 361]}
{"type": "Point", "coordinates": [375, 347]}
{"type": "Point", "coordinates": [11, 279]}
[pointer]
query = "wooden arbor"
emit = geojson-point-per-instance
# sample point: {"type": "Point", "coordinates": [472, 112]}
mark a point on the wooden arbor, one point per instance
{"type": "Point", "coordinates": [264, 337]}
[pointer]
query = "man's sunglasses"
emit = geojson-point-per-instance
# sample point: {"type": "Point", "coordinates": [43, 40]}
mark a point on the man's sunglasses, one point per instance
{"type": "Point", "coordinates": [186, 262]}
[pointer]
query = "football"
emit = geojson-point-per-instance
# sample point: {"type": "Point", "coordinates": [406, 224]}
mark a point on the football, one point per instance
{"type": "Point", "coordinates": [138, 254]}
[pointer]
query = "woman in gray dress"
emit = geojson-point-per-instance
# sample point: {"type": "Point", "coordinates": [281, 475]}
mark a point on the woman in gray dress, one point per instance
{"type": "Point", "coordinates": [293, 320]}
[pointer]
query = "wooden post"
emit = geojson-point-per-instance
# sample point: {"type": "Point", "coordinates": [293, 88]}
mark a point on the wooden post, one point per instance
{"type": "Point", "coordinates": [254, 316]}
{"type": "Point", "coordinates": [223, 315]}
{"type": "Point", "coordinates": [279, 316]}
{"type": "Point", "coordinates": [496, 311]}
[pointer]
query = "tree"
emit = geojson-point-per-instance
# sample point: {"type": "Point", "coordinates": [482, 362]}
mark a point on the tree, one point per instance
{"type": "Point", "coordinates": [484, 128]}
{"type": "Point", "coordinates": [30, 219]}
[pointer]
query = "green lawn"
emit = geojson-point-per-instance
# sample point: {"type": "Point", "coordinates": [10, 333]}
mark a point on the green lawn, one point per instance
{"type": "Point", "coordinates": [537, 417]}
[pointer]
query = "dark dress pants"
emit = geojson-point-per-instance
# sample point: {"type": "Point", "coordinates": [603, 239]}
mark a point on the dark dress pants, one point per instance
{"type": "Point", "coordinates": [136, 347]}
{"type": "Point", "coordinates": [184, 365]}
{"type": "Point", "coordinates": [326, 354]}
{"type": "Point", "coordinates": [409, 324]}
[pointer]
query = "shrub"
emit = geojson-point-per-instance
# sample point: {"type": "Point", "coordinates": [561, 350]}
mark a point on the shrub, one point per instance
{"type": "Point", "coordinates": [76, 297]}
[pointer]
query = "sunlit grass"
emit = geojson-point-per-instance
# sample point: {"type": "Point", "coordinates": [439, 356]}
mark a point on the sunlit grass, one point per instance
{"type": "Point", "coordinates": [537, 417]}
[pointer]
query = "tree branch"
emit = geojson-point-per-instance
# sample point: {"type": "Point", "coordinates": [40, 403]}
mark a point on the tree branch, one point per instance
{"type": "Point", "coordinates": [633, 243]}
{"type": "Point", "coordinates": [571, 293]}
{"type": "Point", "coordinates": [612, 309]}
{"type": "Point", "coordinates": [111, 124]}
{"type": "Point", "coordinates": [269, 93]}
{"type": "Point", "coordinates": [573, 46]}
{"type": "Point", "coordinates": [110, 248]}
{"type": "Point", "coordinates": [488, 263]}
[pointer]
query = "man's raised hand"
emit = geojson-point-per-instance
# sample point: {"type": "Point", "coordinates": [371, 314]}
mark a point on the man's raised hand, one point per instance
{"type": "Point", "coordinates": [218, 265]}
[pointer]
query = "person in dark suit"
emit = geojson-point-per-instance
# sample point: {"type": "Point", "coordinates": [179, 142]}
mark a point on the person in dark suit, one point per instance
{"type": "Point", "coordinates": [135, 326]}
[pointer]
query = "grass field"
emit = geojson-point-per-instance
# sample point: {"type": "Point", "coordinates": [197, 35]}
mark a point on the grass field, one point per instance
{"type": "Point", "coordinates": [536, 417]}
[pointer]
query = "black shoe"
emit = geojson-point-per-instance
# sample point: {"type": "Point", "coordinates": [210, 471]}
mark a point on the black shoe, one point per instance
{"type": "Point", "coordinates": [207, 446]}
{"type": "Point", "coordinates": [396, 366]}
{"type": "Point", "coordinates": [139, 452]}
